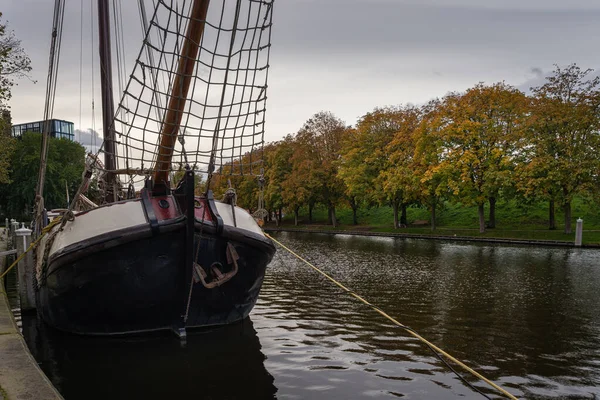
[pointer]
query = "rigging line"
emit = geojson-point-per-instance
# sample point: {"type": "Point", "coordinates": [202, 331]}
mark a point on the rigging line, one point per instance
{"type": "Point", "coordinates": [209, 82]}
{"type": "Point", "coordinates": [167, 73]}
{"type": "Point", "coordinates": [93, 141]}
{"type": "Point", "coordinates": [211, 164]}
{"type": "Point", "coordinates": [253, 83]}
{"type": "Point", "coordinates": [61, 15]}
{"type": "Point", "coordinates": [235, 89]}
{"type": "Point", "coordinates": [269, 19]}
{"type": "Point", "coordinates": [53, 62]}
{"type": "Point", "coordinates": [436, 349]}
{"type": "Point", "coordinates": [126, 93]}
{"type": "Point", "coordinates": [121, 67]}
{"type": "Point", "coordinates": [80, 68]}
{"type": "Point", "coordinates": [150, 57]}
{"type": "Point", "coordinates": [124, 72]}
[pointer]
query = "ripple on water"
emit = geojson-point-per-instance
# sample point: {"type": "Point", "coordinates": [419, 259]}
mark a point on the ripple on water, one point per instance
{"type": "Point", "coordinates": [512, 312]}
{"type": "Point", "coordinates": [526, 317]}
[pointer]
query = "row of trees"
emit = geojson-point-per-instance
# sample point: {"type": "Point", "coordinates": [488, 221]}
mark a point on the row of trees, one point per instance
{"type": "Point", "coordinates": [66, 161]}
{"type": "Point", "coordinates": [471, 148]}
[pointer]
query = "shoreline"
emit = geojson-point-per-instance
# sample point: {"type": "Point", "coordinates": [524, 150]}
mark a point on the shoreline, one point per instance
{"type": "Point", "coordinates": [20, 375]}
{"type": "Point", "coordinates": [535, 242]}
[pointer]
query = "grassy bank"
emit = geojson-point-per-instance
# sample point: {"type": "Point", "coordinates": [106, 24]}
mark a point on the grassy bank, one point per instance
{"type": "Point", "coordinates": [513, 221]}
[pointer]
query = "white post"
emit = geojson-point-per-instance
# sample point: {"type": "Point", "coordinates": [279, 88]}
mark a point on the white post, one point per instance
{"type": "Point", "coordinates": [579, 232]}
{"type": "Point", "coordinates": [14, 225]}
{"type": "Point", "coordinates": [25, 269]}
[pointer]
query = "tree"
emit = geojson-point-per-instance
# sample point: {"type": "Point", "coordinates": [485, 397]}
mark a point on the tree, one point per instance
{"type": "Point", "coordinates": [66, 161]}
{"type": "Point", "coordinates": [479, 133]}
{"type": "Point", "coordinates": [14, 62]}
{"type": "Point", "coordinates": [282, 188]}
{"type": "Point", "coordinates": [364, 155]}
{"type": "Point", "coordinates": [561, 157]}
{"type": "Point", "coordinates": [397, 178]}
{"type": "Point", "coordinates": [316, 159]}
{"type": "Point", "coordinates": [7, 144]}
{"type": "Point", "coordinates": [430, 188]}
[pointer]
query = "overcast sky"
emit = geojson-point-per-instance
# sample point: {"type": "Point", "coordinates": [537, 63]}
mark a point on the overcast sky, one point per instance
{"type": "Point", "coordinates": [344, 56]}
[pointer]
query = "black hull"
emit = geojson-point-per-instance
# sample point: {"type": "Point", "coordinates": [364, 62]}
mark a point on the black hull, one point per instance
{"type": "Point", "coordinates": [136, 282]}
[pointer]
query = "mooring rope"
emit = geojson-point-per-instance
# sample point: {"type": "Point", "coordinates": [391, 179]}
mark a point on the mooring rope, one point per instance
{"type": "Point", "coordinates": [47, 229]}
{"type": "Point", "coordinates": [395, 322]}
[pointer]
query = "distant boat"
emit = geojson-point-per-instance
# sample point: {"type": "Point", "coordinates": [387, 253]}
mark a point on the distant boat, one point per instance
{"type": "Point", "coordinates": [169, 259]}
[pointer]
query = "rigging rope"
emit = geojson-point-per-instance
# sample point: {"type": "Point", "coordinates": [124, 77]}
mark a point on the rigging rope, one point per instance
{"type": "Point", "coordinates": [400, 325]}
{"type": "Point", "coordinates": [227, 101]}
{"type": "Point", "coordinates": [94, 144]}
{"type": "Point", "coordinates": [54, 59]}
{"type": "Point", "coordinates": [45, 231]}
{"type": "Point", "coordinates": [80, 67]}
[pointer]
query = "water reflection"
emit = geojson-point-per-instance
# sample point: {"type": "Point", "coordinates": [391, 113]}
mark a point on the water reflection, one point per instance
{"type": "Point", "coordinates": [527, 317]}
{"type": "Point", "coordinates": [225, 363]}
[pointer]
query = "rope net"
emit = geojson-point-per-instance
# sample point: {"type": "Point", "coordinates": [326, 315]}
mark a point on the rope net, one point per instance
{"type": "Point", "coordinates": [223, 120]}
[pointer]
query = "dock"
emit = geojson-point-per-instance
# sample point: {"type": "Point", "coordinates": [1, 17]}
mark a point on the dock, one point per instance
{"type": "Point", "coordinates": [20, 375]}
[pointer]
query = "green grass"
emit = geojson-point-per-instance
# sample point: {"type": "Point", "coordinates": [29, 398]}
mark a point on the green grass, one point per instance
{"type": "Point", "coordinates": [514, 220]}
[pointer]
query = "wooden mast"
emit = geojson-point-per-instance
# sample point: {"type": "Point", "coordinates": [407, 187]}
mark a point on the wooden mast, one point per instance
{"type": "Point", "coordinates": [172, 118]}
{"type": "Point", "coordinates": [108, 107]}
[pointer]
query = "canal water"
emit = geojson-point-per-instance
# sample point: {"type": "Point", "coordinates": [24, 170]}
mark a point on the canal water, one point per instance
{"type": "Point", "coordinates": [526, 317]}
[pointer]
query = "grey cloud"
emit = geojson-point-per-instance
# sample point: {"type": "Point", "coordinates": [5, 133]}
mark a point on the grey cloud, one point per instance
{"type": "Point", "coordinates": [352, 27]}
{"type": "Point", "coordinates": [347, 56]}
{"type": "Point", "coordinates": [90, 139]}
{"type": "Point", "coordinates": [540, 78]}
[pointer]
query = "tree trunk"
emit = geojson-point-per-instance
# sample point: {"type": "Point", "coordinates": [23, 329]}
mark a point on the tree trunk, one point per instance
{"type": "Point", "coordinates": [551, 216]}
{"type": "Point", "coordinates": [403, 220]}
{"type": "Point", "coordinates": [332, 216]}
{"type": "Point", "coordinates": [492, 223]}
{"type": "Point", "coordinates": [433, 206]}
{"type": "Point", "coordinates": [354, 211]}
{"type": "Point", "coordinates": [280, 214]}
{"type": "Point", "coordinates": [296, 212]}
{"type": "Point", "coordinates": [395, 206]}
{"type": "Point", "coordinates": [481, 212]}
{"type": "Point", "coordinates": [310, 210]}
{"type": "Point", "coordinates": [568, 217]}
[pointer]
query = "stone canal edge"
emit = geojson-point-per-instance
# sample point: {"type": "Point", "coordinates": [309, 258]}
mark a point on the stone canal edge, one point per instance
{"type": "Point", "coordinates": [20, 375]}
{"type": "Point", "coordinates": [536, 242]}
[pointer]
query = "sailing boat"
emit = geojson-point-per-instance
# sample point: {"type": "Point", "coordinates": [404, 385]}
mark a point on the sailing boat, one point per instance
{"type": "Point", "coordinates": [169, 259]}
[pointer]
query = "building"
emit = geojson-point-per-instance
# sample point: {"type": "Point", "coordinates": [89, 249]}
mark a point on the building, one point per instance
{"type": "Point", "coordinates": [58, 129]}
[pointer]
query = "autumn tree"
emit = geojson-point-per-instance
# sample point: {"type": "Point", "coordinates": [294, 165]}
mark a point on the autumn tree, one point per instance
{"type": "Point", "coordinates": [479, 134]}
{"type": "Point", "coordinates": [429, 189]}
{"type": "Point", "coordinates": [277, 173]}
{"type": "Point", "coordinates": [561, 158]}
{"type": "Point", "coordinates": [397, 178]}
{"type": "Point", "coordinates": [316, 159]}
{"type": "Point", "coordinates": [364, 155]}
{"type": "Point", "coordinates": [240, 175]}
